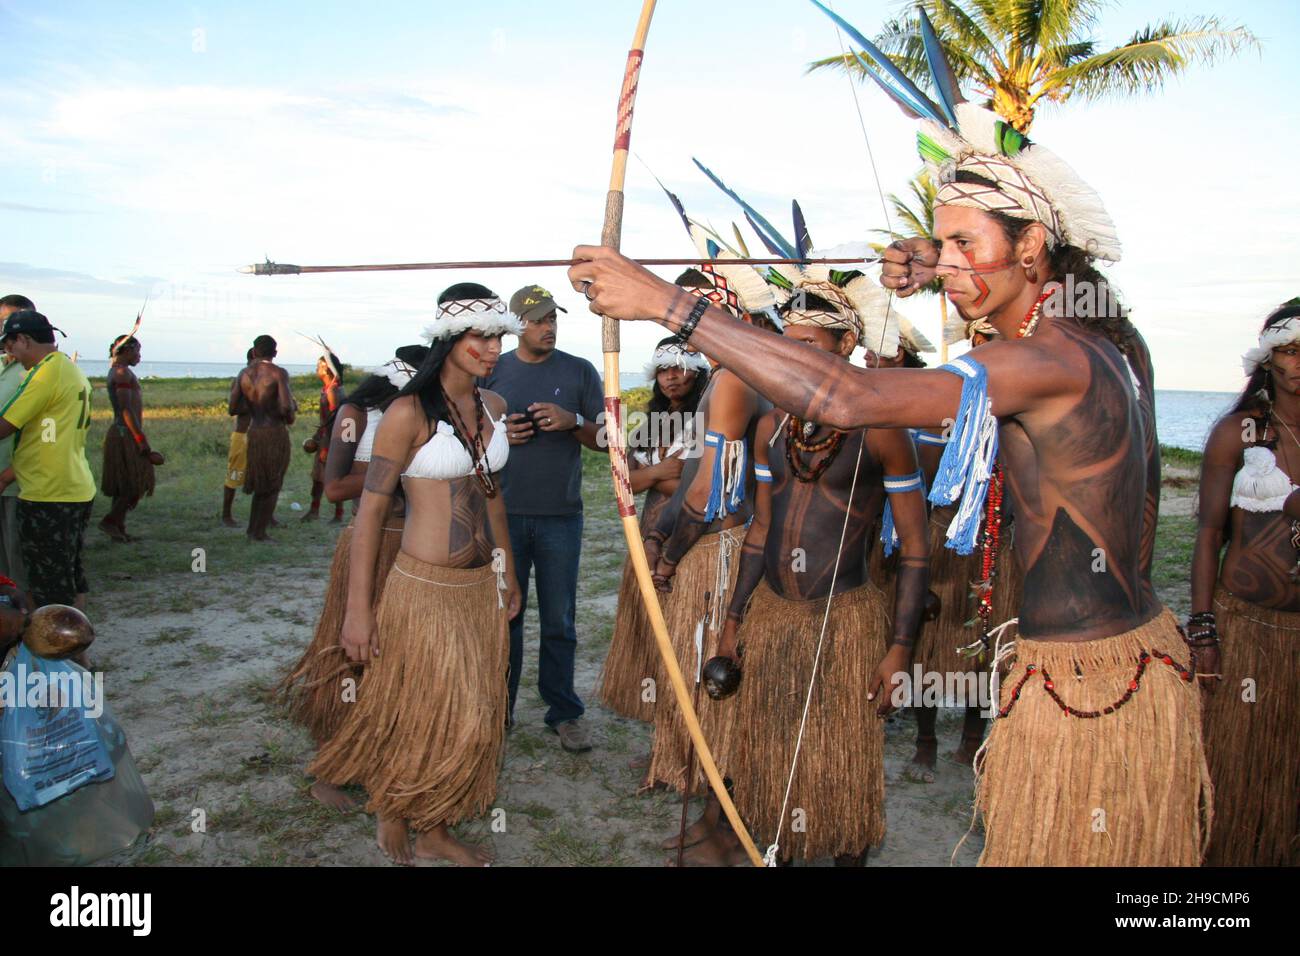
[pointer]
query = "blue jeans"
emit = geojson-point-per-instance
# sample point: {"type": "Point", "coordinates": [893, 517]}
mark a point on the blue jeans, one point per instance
{"type": "Point", "coordinates": [550, 545]}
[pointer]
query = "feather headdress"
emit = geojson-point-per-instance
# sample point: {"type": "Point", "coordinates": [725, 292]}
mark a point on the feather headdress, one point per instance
{"type": "Point", "coordinates": [397, 372]}
{"type": "Point", "coordinates": [327, 353]}
{"type": "Point", "coordinates": [744, 283]}
{"type": "Point", "coordinates": [857, 301]}
{"type": "Point", "coordinates": [1027, 181]}
{"type": "Point", "coordinates": [1282, 328]}
{"type": "Point", "coordinates": [674, 355]}
{"type": "Point", "coordinates": [487, 316]}
{"type": "Point", "coordinates": [910, 337]}
{"type": "Point", "coordinates": [139, 318]}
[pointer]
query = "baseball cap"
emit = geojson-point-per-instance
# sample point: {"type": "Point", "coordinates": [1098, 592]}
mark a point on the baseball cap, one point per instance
{"type": "Point", "coordinates": [532, 302]}
{"type": "Point", "coordinates": [26, 322]}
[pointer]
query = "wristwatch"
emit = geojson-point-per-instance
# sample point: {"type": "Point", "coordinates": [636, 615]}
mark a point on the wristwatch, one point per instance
{"type": "Point", "coordinates": [580, 421]}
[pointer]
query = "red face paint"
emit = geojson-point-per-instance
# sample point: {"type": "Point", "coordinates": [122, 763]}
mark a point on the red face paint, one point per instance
{"type": "Point", "coordinates": [980, 269]}
{"type": "Point", "coordinates": [474, 353]}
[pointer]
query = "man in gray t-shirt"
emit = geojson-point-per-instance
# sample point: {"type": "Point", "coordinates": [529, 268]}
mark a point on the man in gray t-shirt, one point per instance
{"type": "Point", "coordinates": [553, 400]}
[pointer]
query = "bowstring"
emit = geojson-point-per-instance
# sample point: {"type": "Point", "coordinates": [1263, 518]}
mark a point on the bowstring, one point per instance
{"type": "Point", "coordinates": [769, 857]}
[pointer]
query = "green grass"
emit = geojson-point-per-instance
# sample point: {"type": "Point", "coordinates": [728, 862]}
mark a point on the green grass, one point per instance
{"type": "Point", "coordinates": [1180, 456]}
{"type": "Point", "coordinates": [1172, 567]}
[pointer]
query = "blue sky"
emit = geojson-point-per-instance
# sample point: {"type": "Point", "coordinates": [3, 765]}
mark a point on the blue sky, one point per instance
{"type": "Point", "coordinates": [152, 148]}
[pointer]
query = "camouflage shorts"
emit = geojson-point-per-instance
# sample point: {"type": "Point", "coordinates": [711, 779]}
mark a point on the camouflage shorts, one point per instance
{"type": "Point", "coordinates": [52, 535]}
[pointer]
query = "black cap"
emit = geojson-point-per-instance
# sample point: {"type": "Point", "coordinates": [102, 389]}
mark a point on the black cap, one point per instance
{"type": "Point", "coordinates": [26, 322]}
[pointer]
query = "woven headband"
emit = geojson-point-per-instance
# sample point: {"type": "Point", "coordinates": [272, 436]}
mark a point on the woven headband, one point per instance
{"type": "Point", "coordinates": [1012, 194]}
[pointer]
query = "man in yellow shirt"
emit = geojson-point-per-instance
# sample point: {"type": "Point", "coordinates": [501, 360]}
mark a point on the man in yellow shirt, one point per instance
{"type": "Point", "coordinates": [51, 414]}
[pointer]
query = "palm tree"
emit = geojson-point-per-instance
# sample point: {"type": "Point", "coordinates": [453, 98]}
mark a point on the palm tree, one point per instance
{"type": "Point", "coordinates": [1016, 53]}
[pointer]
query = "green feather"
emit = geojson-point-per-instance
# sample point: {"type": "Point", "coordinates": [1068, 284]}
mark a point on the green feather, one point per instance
{"type": "Point", "coordinates": [1010, 140]}
{"type": "Point", "coordinates": [931, 151]}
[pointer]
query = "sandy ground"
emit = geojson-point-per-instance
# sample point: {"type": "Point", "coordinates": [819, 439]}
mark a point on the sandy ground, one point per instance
{"type": "Point", "coordinates": [190, 682]}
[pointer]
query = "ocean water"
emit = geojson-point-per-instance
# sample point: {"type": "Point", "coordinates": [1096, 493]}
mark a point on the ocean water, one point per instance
{"type": "Point", "coordinates": [1184, 418]}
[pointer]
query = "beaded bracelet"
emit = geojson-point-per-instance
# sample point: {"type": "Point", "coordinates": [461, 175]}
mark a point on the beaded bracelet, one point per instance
{"type": "Point", "coordinates": [692, 320]}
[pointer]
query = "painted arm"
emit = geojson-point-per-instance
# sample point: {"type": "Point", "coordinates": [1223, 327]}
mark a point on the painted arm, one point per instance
{"type": "Point", "coordinates": [1219, 465]}
{"type": "Point", "coordinates": [341, 483]}
{"type": "Point", "coordinates": [812, 384]}
{"type": "Point", "coordinates": [393, 443]}
{"type": "Point", "coordinates": [898, 456]}
{"type": "Point", "coordinates": [753, 552]}
{"type": "Point", "coordinates": [731, 407]}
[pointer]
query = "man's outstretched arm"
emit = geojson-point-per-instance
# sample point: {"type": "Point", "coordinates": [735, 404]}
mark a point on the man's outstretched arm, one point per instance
{"type": "Point", "coordinates": [812, 384]}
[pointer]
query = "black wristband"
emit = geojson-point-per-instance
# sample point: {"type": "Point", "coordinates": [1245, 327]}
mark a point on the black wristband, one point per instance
{"type": "Point", "coordinates": [692, 320]}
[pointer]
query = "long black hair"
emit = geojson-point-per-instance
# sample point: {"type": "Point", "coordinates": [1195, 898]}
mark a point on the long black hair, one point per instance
{"type": "Point", "coordinates": [426, 385]}
{"type": "Point", "coordinates": [659, 402]}
{"type": "Point", "coordinates": [1258, 393]}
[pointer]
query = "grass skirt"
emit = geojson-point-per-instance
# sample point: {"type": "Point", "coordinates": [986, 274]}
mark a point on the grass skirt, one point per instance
{"type": "Point", "coordinates": [837, 803]}
{"type": "Point", "coordinates": [425, 737]}
{"type": "Point", "coordinates": [268, 459]}
{"type": "Point", "coordinates": [1129, 788]}
{"type": "Point", "coordinates": [1253, 746]}
{"type": "Point", "coordinates": [632, 656]}
{"type": "Point", "coordinates": [697, 575]}
{"type": "Point", "coordinates": [315, 692]}
{"type": "Point", "coordinates": [127, 473]}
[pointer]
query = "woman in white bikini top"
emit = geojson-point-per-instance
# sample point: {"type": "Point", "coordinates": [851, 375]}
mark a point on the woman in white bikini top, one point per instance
{"type": "Point", "coordinates": [454, 514]}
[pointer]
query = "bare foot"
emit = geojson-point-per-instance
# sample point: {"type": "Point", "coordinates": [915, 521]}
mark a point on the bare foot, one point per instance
{"type": "Point", "coordinates": [696, 832]}
{"type": "Point", "coordinates": [392, 839]}
{"type": "Point", "coordinates": [310, 516]}
{"type": "Point", "coordinates": [274, 524]}
{"type": "Point", "coordinates": [259, 537]}
{"type": "Point", "coordinates": [722, 848]}
{"type": "Point", "coordinates": [336, 798]}
{"type": "Point", "coordinates": [229, 522]}
{"type": "Point", "coordinates": [113, 531]}
{"type": "Point", "coordinates": [921, 769]}
{"type": "Point", "coordinates": [965, 754]}
{"type": "Point", "coordinates": [439, 844]}
{"type": "Point", "coordinates": [337, 519]}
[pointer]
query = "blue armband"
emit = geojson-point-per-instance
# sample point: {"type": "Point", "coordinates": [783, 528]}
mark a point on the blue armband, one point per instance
{"type": "Point", "coordinates": [730, 464]}
{"type": "Point", "coordinates": [969, 456]}
{"type": "Point", "coordinates": [896, 485]}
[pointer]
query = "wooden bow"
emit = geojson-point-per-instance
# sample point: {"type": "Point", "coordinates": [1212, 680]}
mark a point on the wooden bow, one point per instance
{"type": "Point", "coordinates": [610, 236]}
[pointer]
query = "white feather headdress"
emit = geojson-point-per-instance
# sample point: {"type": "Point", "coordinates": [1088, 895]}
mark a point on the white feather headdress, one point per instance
{"type": "Point", "coordinates": [673, 355]}
{"type": "Point", "coordinates": [488, 316]}
{"type": "Point", "coordinates": [397, 372]}
{"type": "Point", "coordinates": [1028, 181]}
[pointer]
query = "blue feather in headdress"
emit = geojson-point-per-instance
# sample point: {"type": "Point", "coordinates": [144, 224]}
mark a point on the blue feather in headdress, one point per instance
{"type": "Point", "coordinates": [945, 84]}
{"type": "Point", "coordinates": [803, 242]}
{"type": "Point", "coordinates": [907, 94]}
{"type": "Point", "coordinates": [768, 244]}
{"type": "Point", "coordinates": [767, 231]}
